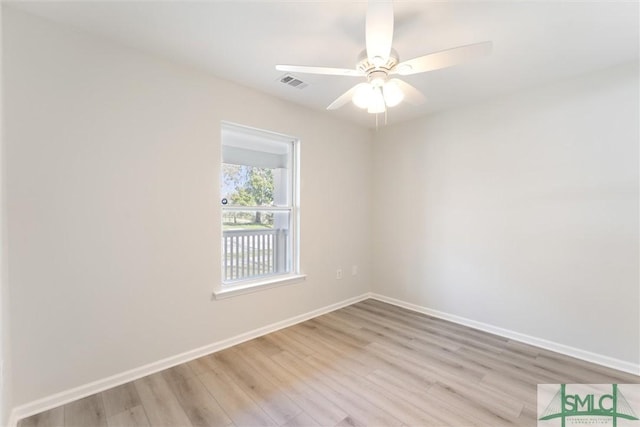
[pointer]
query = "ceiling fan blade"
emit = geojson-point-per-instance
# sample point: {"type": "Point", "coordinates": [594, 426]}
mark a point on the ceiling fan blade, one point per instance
{"type": "Point", "coordinates": [411, 94]}
{"type": "Point", "coordinates": [379, 30]}
{"type": "Point", "coordinates": [345, 97]}
{"type": "Point", "coordinates": [443, 59]}
{"type": "Point", "coordinates": [320, 70]}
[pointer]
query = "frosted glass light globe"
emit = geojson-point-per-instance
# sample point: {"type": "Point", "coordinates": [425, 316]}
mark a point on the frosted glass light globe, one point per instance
{"type": "Point", "coordinates": [362, 97]}
{"type": "Point", "coordinates": [392, 94]}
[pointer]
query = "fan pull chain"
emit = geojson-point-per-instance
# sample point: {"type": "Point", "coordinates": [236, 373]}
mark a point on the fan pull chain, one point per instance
{"type": "Point", "coordinates": [385, 118]}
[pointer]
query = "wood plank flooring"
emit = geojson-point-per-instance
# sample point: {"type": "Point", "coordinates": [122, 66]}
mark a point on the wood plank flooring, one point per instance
{"type": "Point", "coordinates": [369, 364]}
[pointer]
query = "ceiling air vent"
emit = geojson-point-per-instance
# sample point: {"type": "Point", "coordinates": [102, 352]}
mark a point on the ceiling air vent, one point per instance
{"type": "Point", "coordinates": [292, 81]}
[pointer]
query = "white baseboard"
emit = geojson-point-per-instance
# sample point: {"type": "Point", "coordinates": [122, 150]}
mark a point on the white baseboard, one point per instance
{"type": "Point", "coordinates": [85, 390]}
{"type": "Point", "coordinates": [609, 362]}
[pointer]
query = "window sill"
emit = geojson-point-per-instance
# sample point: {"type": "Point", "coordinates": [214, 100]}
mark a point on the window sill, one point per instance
{"type": "Point", "coordinates": [229, 291]}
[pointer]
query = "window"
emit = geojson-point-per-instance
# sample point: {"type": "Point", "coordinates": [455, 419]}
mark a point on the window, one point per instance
{"type": "Point", "coordinates": [259, 208]}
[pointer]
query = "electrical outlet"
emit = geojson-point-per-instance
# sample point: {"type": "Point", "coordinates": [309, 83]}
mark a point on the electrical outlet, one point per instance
{"type": "Point", "coordinates": [339, 274]}
{"type": "Point", "coordinates": [354, 270]}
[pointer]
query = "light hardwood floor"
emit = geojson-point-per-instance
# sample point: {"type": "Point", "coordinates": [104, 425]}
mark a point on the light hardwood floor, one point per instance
{"type": "Point", "coordinates": [369, 364]}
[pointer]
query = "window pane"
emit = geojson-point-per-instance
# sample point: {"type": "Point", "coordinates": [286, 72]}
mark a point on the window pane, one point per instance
{"type": "Point", "coordinates": [255, 243]}
{"type": "Point", "coordinates": [247, 185]}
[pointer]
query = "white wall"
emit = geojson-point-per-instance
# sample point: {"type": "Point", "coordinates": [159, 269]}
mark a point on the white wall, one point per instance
{"type": "Point", "coordinates": [521, 213]}
{"type": "Point", "coordinates": [113, 215]}
{"type": "Point", "coordinates": [5, 343]}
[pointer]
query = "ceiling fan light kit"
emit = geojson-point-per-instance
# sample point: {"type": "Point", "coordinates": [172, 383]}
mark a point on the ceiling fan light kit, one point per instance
{"type": "Point", "coordinates": [376, 97]}
{"type": "Point", "coordinates": [376, 102]}
{"type": "Point", "coordinates": [379, 61]}
{"type": "Point", "coordinates": [392, 93]}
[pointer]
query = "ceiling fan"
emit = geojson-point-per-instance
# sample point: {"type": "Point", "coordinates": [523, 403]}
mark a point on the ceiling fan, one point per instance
{"type": "Point", "coordinates": [379, 61]}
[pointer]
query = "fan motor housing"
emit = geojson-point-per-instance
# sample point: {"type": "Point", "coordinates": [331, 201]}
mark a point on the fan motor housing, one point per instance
{"type": "Point", "coordinates": [366, 67]}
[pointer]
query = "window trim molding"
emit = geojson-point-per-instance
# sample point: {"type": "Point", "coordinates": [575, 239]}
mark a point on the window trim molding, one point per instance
{"type": "Point", "coordinates": [230, 289]}
{"type": "Point", "coordinates": [260, 284]}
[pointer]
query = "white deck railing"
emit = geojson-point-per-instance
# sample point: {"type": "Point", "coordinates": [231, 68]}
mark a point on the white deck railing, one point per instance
{"type": "Point", "coordinates": [253, 253]}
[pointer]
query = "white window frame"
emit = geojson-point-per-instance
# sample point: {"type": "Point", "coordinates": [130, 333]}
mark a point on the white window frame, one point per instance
{"type": "Point", "coordinates": [240, 287]}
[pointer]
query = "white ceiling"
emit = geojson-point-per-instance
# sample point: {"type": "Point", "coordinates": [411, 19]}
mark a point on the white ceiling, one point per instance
{"type": "Point", "coordinates": [534, 42]}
